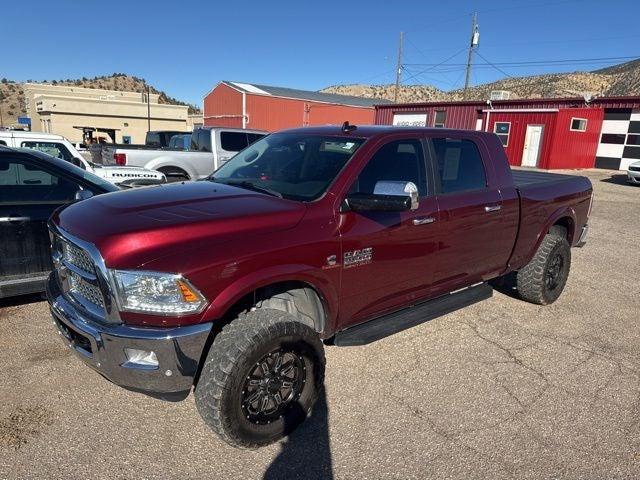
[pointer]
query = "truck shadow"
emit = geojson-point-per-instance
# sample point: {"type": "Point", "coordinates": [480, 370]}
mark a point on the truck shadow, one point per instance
{"type": "Point", "coordinates": [306, 453]}
{"type": "Point", "coordinates": [22, 300]}
{"type": "Point", "coordinates": [506, 285]}
{"type": "Point", "coordinates": [618, 179]}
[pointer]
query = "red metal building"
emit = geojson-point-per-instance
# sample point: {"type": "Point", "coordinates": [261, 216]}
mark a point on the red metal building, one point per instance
{"type": "Point", "coordinates": [547, 133]}
{"type": "Point", "coordinates": [262, 107]}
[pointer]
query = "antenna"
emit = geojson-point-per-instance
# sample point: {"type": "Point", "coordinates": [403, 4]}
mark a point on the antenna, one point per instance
{"type": "Point", "coordinates": [346, 128]}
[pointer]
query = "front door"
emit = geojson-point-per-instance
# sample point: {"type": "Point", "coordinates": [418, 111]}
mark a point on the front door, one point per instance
{"type": "Point", "coordinates": [532, 144]}
{"type": "Point", "coordinates": [28, 196]}
{"type": "Point", "coordinates": [386, 255]}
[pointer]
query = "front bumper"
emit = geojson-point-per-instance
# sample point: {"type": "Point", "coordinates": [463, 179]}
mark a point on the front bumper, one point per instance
{"type": "Point", "coordinates": [100, 346]}
{"type": "Point", "coordinates": [633, 177]}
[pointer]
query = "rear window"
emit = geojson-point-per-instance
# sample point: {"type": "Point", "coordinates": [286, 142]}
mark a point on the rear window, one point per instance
{"type": "Point", "coordinates": [459, 164]}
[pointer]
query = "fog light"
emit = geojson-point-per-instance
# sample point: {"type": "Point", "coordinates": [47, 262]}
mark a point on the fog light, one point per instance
{"type": "Point", "coordinates": [141, 357]}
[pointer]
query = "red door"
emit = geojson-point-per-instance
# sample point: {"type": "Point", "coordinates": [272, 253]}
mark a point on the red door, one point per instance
{"type": "Point", "coordinates": [477, 225]}
{"type": "Point", "coordinates": [387, 256]}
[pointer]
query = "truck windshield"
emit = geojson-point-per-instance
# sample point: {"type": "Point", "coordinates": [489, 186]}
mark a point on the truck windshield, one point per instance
{"type": "Point", "coordinates": [295, 166]}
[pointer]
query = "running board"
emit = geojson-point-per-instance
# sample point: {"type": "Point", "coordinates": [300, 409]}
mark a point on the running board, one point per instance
{"type": "Point", "coordinates": [386, 325]}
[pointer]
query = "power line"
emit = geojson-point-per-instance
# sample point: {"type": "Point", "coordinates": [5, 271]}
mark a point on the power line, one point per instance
{"type": "Point", "coordinates": [539, 62]}
{"type": "Point", "coordinates": [436, 64]}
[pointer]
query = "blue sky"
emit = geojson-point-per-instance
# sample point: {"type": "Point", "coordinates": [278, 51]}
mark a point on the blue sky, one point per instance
{"type": "Point", "coordinates": [185, 48]}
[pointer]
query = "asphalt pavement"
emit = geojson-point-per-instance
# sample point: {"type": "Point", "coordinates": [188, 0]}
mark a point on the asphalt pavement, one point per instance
{"type": "Point", "coordinates": [502, 389]}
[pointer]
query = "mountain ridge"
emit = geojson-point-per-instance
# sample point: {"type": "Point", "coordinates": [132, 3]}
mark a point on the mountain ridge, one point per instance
{"type": "Point", "coordinates": [616, 80]}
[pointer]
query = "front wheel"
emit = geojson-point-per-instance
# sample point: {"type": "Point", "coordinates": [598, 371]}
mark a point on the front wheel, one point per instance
{"type": "Point", "coordinates": [262, 375]}
{"type": "Point", "coordinates": [543, 279]}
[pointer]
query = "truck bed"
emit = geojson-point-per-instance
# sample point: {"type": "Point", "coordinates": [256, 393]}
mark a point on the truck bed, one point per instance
{"type": "Point", "coordinates": [528, 178]}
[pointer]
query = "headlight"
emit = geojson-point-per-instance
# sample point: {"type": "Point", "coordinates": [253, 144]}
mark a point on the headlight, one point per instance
{"type": "Point", "coordinates": [156, 292]}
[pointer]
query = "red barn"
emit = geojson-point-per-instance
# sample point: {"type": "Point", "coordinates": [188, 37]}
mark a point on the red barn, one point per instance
{"type": "Point", "coordinates": [262, 107]}
{"type": "Point", "coordinates": [546, 133]}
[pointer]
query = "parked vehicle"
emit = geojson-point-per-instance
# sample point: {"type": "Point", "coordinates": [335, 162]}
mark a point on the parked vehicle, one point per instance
{"type": "Point", "coordinates": [633, 173]}
{"type": "Point", "coordinates": [210, 148]}
{"type": "Point", "coordinates": [59, 147]}
{"type": "Point", "coordinates": [32, 186]}
{"type": "Point", "coordinates": [342, 235]}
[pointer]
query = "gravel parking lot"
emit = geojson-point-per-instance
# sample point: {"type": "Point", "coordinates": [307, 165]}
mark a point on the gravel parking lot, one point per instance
{"type": "Point", "coordinates": [502, 389]}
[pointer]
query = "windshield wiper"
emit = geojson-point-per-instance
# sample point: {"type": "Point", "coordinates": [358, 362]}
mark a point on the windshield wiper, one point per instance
{"type": "Point", "coordinates": [249, 186]}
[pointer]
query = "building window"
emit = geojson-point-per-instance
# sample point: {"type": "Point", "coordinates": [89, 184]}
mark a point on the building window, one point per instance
{"type": "Point", "coordinates": [439, 119]}
{"type": "Point", "coordinates": [578, 124]}
{"type": "Point", "coordinates": [502, 129]}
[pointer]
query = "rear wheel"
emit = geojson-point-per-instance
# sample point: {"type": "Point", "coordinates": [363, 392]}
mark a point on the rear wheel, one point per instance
{"type": "Point", "coordinates": [175, 174]}
{"type": "Point", "coordinates": [262, 375]}
{"type": "Point", "coordinates": [543, 279]}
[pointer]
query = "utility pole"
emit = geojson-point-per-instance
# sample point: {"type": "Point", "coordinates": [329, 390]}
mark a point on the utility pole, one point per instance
{"type": "Point", "coordinates": [399, 70]}
{"type": "Point", "coordinates": [148, 108]}
{"type": "Point", "coordinates": [1, 119]}
{"type": "Point", "coordinates": [473, 44]}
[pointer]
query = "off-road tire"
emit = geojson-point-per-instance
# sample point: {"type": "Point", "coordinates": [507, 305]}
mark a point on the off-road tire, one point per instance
{"type": "Point", "coordinates": [532, 284]}
{"type": "Point", "coordinates": [234, 353]}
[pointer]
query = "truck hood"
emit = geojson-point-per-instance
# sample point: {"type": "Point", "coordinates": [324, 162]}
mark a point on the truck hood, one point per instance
{"type": "Point", "coordinates": [116, 174]}
{"type": "Point", "coordinates": [133, 227]}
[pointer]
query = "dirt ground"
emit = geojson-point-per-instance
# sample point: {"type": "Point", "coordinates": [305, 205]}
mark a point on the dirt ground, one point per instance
{"type": "Point", "coordinates": [502, 389]}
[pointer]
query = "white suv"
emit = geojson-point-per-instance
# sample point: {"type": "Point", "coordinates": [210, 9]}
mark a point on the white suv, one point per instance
{"type": "Point", "coordinates": [60, 147]}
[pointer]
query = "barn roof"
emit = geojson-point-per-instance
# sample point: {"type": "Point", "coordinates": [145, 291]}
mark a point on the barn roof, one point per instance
{"type": "Point", "coordinates": [285, 92]}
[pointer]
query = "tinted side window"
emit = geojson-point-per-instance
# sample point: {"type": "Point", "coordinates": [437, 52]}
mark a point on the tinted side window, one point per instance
{"type": "Point", "coordinates": [254, 137]}
{"type": "Point", "coordinates": [233, 141]}
{"type": "Point", "coordinates": [2, 142]}
{"type": "Point", "coordinates": [23, 182]}
{"type": "Point", "coordinates": [402, 160]}
{"type": "Point", "coordinates": [459, 165]}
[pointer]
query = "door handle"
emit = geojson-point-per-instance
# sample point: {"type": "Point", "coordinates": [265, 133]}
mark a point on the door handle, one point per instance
{"type": "Point", "coordinates": [14, 218]}
{"type": "Point", "coordinates": [492, 208]}
{"type": "Point", "coordinates": [423, 220]}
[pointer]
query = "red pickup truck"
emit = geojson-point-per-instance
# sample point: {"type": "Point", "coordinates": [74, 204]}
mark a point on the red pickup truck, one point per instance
{"type": "Point", "coordinates": [309, 237]}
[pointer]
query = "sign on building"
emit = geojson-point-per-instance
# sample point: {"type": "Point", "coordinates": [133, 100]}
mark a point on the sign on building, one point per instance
{"type": "Point", "coordinates": [410, 119]}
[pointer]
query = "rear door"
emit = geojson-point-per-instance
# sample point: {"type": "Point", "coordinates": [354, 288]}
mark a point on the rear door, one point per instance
{"type": "Point", "coordinates": [29, 193]}
{"type": "Point", "coordinates": [472, 222]}
{"type": "Point", "coordinates": [387, 256]}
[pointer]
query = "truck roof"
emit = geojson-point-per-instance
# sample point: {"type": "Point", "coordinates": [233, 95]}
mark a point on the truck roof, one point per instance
{"type": "Point", "coordinates": [24, 133]}
{"type": "Point", "coordinates": [367, 131]}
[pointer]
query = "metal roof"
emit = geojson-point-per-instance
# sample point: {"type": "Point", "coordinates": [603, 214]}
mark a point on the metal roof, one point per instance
{"type": "Point", "coordinates": [284, 92]}
{"type": "Point", "coordinates": [627, 100]}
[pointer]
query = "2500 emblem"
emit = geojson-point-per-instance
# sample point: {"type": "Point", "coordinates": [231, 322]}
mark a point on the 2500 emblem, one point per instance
{"type": "Point", "coordinates": [358, 257]}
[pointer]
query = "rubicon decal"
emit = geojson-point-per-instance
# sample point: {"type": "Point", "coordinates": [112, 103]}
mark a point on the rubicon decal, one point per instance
{"type": "Point", "coordinates": [358, 257]}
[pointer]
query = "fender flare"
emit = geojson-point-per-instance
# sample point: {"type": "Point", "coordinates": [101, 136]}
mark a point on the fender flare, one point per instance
{"type": "Point", "coordinates": [162, 161]}
{"type": "Point", "coordinates": [305, 274]}
{"type": "Point", "coordinates": [562, 212]}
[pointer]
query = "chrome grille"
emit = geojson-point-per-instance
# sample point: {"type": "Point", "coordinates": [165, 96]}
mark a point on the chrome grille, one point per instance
{"type": "Point", "coordinates": [77, 257]}
{"type": "Point", "coordinates": [79, 286]}
{"type": "Point", "coordinates": [77, 274]}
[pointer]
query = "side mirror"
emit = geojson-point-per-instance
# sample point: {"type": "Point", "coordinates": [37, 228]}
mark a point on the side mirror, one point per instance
{"type": "Point", "coordinates": [83, 195]}
{"type": "Point", "coordinates": [371, 202]}
{"type": "Point", "coordinates": [400, 188]}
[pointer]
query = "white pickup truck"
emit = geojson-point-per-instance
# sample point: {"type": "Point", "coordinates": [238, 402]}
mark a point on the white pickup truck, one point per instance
{"type": "Point", "coordinates": [210, 148]}
{"type": "Point", "coordinates": [60, 147]}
